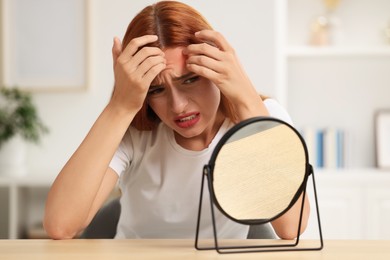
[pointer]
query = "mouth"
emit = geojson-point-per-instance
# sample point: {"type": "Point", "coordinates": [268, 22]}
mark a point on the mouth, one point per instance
{"type": "Point", "coordinates": [188, 120]}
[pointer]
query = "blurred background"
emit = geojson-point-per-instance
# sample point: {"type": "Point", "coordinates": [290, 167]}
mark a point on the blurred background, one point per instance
{"type": "Point", "coordinates": [326, 61]}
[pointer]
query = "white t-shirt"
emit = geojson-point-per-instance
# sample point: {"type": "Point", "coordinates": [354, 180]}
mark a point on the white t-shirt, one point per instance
{"type": "Point", "coordinates": [160, 183]}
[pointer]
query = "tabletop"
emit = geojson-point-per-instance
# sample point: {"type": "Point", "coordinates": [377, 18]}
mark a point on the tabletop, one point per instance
{"type": "Point", "coordinates": [181, 249]}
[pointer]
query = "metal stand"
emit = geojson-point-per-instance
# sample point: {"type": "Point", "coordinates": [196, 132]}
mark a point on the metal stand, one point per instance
{"type": "Point", "coordinates": [255, 248]}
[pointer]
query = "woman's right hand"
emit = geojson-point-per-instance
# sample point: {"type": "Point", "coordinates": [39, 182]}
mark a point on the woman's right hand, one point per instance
{"type": "Point", "coordinates": [134, 70]}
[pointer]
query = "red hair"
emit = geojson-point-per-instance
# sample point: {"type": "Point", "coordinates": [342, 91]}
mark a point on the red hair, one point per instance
{"type": "Point", "coordinates": [175, 24]}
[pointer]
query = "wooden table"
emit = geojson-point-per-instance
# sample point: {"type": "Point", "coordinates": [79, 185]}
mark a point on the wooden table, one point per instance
{"type": "Point", "coordinates": [180, 249]}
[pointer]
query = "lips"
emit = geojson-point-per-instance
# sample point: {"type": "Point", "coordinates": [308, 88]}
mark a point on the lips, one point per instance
{"type": "Point", "coordinates": [187, 120]}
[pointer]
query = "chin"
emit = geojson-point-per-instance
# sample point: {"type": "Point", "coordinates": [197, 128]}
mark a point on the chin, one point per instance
{"type": "Point", "coordinates": [188, 132]}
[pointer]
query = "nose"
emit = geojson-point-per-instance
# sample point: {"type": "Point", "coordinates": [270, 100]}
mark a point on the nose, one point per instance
{"type": "Point", "coordinates": [177, 100]}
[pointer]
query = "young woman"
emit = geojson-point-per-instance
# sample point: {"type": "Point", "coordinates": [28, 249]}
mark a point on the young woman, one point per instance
{"type": "Point", "coordinates": [178, 88]}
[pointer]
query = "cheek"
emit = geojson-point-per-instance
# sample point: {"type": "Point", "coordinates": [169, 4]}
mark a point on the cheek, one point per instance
{"type": "Point", "coordinates": [212, 94]}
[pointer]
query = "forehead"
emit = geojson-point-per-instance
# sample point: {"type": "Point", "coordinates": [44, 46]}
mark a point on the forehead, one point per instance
{"type": "Point", "coordinates": [175, 55]}
{"type": "Point", "coordinates": [176, 64]}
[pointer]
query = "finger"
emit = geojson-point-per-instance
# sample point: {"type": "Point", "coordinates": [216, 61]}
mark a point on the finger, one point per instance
{"type": "Point", "coordinates": [215, 37]}
{"type": "Point", "coordinates": [150, 62]}
{"type": "Point", "coordinates": [146, 52]}
{"type": "Point", "coordinates": [204, 72]}
{"type": "Point", "coordinates": [116, 49]}
{"type": "Point", "coordinates": [152, 73]}
{"type": "Point", "coordinates": [138, 42]}
{"type": "Point", "coordinates": [205, 61]}
{"type": "Point", "coordinates": [203, 49]}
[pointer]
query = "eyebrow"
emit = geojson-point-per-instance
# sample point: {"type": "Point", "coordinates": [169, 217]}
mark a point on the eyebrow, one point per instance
{"type": "Point", "coordinates": [174, 79]}
{"type": "Point", "coordinates": [183, 76]}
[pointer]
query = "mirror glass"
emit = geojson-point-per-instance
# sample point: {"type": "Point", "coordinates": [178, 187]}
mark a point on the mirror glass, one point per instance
{"type": "Point", "coordinates": [258, 170]}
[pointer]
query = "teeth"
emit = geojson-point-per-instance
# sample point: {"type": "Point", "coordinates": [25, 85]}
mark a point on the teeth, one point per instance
{"type": "Point", "coordinates": [187, 118]}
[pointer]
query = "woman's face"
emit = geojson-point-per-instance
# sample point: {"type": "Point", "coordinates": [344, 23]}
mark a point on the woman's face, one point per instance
{"type": "Point", "coordinates": [185, 102]}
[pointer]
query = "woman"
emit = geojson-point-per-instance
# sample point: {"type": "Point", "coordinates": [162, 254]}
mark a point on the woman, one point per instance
{"type": "Point", "coordinates": [178, 88]}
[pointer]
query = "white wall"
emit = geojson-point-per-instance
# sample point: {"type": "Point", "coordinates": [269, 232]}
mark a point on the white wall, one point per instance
{"type": "Point", "coordinates": [247, 24]}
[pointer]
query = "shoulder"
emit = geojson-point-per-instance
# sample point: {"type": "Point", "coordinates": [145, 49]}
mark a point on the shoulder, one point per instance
{"type": "Point", "coordinates": [275, 109]}
{"type": "Point", "coordinates": [134, 145]}
{"type": "Point", "coordinates": [136, 137]}
{"type": "Point", "coordinates": [141, 139]}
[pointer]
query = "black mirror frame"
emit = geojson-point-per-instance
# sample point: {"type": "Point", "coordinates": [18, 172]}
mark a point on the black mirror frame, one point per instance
{"type": "Point", "coordinates": [226, 138]}
{"type": "Point", "coordinates": [208, 174]}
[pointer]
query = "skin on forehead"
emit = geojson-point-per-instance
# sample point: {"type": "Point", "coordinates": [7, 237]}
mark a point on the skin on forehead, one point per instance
{"type": "Point", "coordinates": [175, 67]}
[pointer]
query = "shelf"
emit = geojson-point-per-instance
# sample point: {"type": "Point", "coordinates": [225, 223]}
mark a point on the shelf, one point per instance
{"type": "Point", "coordinates": [28, 181]}
{"type": "Point", "coordinates": [354, 175]}
{"type": "Point", "coordinates": [313, 52]}
{"type": "Point", "coordinates": [20, 177]}
{"type": "Point", "coordinates": [353, 171]}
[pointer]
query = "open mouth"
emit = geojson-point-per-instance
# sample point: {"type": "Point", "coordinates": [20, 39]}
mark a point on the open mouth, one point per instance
{"type": "Point", "coordinates": [188, 121]}
{"type": "Point", "coordinates": [188, 118]}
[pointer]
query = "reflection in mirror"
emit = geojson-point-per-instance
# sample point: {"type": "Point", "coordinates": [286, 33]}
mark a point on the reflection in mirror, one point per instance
{"type": "Point", "coordinates": [259, 172]}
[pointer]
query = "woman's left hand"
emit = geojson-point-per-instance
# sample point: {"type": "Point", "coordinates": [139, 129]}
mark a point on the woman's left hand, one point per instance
{"type": "Point", "coordinates": [216, 60]}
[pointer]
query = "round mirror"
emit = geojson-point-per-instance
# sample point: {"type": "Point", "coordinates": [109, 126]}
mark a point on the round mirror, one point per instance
{"type": "Point", "coordinates": [258, 170]}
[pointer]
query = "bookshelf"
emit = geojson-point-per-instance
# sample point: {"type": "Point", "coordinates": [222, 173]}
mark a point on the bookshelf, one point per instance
{"type": "Point", "coordinates": [340, 85]}
{"type": "Point", "coordinates": [337, 52]}
{"type": "Point", "coordinates": [354, 204]}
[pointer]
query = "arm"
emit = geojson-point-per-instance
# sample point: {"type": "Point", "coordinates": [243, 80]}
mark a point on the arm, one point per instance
{"type": "Point", "coordinates": [286, 226]}
{"type": "Point", "coordinates": [218, 62]}
{"type": "Point", "coordinates": [86, 180]}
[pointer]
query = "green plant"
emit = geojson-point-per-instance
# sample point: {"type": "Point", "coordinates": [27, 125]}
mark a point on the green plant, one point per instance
{"type": "Point", "coordinates": [18, 115]}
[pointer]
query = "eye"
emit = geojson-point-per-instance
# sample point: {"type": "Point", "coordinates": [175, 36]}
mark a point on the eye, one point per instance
{"type": "Point", "coordinates": [191, 80]}
{"type": "Point", "coordinates": [154, 90]}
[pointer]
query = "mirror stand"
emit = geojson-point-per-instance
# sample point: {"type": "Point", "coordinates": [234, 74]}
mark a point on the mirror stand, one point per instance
{"type": "Point", "coordinates": [277, 245]}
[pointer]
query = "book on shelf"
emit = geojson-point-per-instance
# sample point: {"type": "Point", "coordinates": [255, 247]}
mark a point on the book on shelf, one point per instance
{"type": "Point", "coordinates": [325, 146]}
